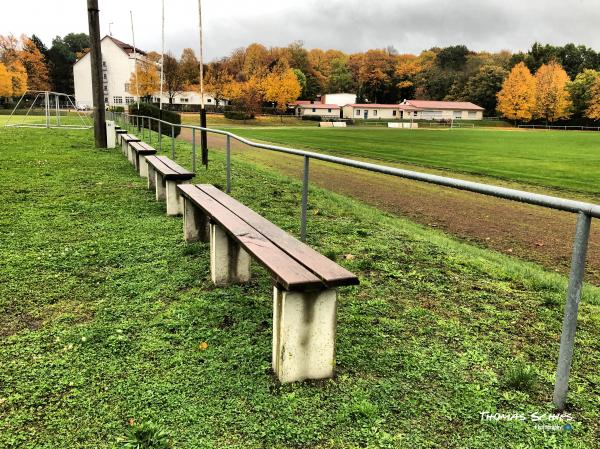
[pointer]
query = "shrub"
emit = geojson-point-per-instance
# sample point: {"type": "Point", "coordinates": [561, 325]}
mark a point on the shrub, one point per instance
{"type": "Point", "coordinates": [117, 109]}
{"type": "Point", "coordinates": [146, 436]}
{"type": "Point", "coordinates": [238, 115]}
{"type": "Point", "coordinates": [149, 110]}
{"type": "Point", "coordinates": [520, 376]}
{"type": "Point", "coordinates": [313, 118]}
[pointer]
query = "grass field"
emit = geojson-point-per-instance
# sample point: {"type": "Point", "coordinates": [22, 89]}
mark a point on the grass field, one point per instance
{"type": "Point", "coordinates": [103, 308]}
{"type": "Point", "coordinates": [556, 159]}
{"type": "Point", "coordinates": [221, 121]}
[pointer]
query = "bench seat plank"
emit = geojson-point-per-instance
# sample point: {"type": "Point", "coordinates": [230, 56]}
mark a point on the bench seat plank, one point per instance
{"type": "Point", "coordinates": [129, 138]}
{"type": "Point", "coordinates": [169, 169]}
{"type": "Point", "coordinates": [142, 148]}
{"type": "Point", "coordinates": [327, 270]}
{"type": "Point", "coordinates": [286, 271]}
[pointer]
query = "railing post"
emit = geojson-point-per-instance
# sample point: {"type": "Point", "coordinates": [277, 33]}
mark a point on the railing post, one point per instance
{"type": "Point", "coordinates": [150, 130]}
{"type": "Point", "coordinates": [173, 141]}
{"type": "Point", "coordinates": [194, 150]}
{"type": "Point", "coordinates": [304, 201]}
{"type": "Point", "coordinates": [159, 136]}
{"type": "Point", "coordinates": [228, 165]}
{"type": "Point", "coordinates": [567, 338]}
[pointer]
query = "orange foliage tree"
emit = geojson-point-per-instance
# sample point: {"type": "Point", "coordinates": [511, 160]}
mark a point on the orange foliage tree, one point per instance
{"type": "Point", "coordinates": [145, 81]}
{"type": "Point", "coordinates": [33, 61]}
{"type": "Point", "coordinates": [552, 99]}
{"type": "Point", "coordinates": [516, 99]}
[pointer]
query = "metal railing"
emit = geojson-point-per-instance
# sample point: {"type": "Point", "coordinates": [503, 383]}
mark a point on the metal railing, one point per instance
{"type": "Point", "coordinates": [584, 210]}
{"type": "Point", "coordinates": [562, 127]}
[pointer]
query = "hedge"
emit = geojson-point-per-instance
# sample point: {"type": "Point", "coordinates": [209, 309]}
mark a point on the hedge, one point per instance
{"type": "Point", "coordinates": [150, 110]}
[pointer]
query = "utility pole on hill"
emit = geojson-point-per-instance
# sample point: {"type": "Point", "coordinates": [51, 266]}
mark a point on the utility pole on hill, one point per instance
{"type": "Point", "coordinates": [96, 63]}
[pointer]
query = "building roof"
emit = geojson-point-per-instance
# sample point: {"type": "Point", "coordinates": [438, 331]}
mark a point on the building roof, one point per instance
{"type": "Point", "coordinates": [425, 104]}
{"type": "Point", "coordinates": [378, 106]}
{"type": "Point", "coordinates": [127, 48]}
{"type": "Point", "coordinates": [318, 106]}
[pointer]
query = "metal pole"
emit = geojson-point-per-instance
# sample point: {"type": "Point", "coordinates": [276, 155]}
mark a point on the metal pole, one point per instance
{"type": "Point", "coordinates": [304, 200]}
{"type": "Point", "coordinates": [194, 150]}
{"type": "Point", "coordinates": [567, 338]}
{"type": "Point", "coordinates": [173, 141]}
{"type": "Point", "coordinates": [162, 56]}
{"type": "Point", "coordinates": [159, 135]}
{"type": "Point", "coordinates": [150, 130]}
{"type": "Point", "coordinates": [47, 108]}
{"type": "Point", "coordinates": [228, 184]}
{"type": "Point", "coordinates": [56, 100]}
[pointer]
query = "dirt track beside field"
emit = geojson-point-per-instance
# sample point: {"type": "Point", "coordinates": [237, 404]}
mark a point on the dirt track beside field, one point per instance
{"type": "Point", "coordinates": [531, 233]}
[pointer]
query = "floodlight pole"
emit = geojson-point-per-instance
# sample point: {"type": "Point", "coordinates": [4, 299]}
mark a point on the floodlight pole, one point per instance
{"type": "Point", "coordinates": [135, 64]}
{"type": "Point", "coordinates": [96, 67]}
{"type": "Point", "coordinates": [162, 57]}
{"type": "Point", "coordinates": [203, 137]}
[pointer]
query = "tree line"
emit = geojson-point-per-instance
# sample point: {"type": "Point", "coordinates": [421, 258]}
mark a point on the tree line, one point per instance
{"type": "Point", "coordinates": [27, 64]}
{"type": "Point", "coordinates": [546, 82]}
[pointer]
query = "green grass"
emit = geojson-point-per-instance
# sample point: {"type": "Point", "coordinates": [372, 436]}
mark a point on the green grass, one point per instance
{"type": "Point", "coordinates": [555, 159]}
{"type": "Point", "coordinates": [103, 307]}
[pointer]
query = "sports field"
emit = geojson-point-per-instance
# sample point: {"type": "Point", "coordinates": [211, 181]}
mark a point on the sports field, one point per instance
{"type": "Point", "coordinates": [556, 159]}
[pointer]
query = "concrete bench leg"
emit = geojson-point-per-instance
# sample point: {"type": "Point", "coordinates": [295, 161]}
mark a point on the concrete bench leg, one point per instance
{"type": "Point", "coordinates": [151, 177]}
{"type": "Point", "coordinates": [229, 263]}
{"type": "Point", "coordinates": [160, 186]}
{"type": "Point", "coordinates": [304, 325]}
{"type": "Point", "coordinates": [130, 155]}
{"type": "Point", "coordinates": [174, 199]}
{"type": "Point", "coordinates": [195, 223]}
{"type": "Point", "coordinates": [142, 166]}
{"type": "Point", "coordinates": [123, 147]}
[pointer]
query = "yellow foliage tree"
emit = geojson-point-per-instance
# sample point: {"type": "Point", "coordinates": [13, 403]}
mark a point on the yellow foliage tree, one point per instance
{"type": "Point", "coordinates": [33, 61]}
{"type": "Point", "coordinates": [516, 99]}
{"type": "Point", "coordinates": [5, 82]}
{"type": "Point", "coordinates": [281, 87]}
{"type": "Point", "coordinates": [145, 81]}
{"type": "Point", "coordinates": [18, 76]}
{"type": "Point", "coordinates": [593, 105]}
{"type": "Point", "coordinates": [552, 99]}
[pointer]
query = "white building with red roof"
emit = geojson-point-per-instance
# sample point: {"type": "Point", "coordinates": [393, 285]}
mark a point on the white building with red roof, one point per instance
{"type": "Point", "coordinates": [414, 110]}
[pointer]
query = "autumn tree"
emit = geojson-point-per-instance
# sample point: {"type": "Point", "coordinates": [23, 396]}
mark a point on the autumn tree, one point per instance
{"type": "Point", "coordinates": [173, 78]}
{"type": "Point", "coordinates": [145, 81]}
{"type": "Point", "coordinates": [5, 82]}
{"type": "Point", "coordinates": [281, 86]}
{"type": "Point", "coordinates": [516, 99]}
{"type": "Point", "coordinates": [481, 88]}
{"type": "Point", "coordinates": [581, 90]}
{"type": "Point", "coordinates": [218, 81]}
{"type": "Point", "coordinates": [190, 66]}
{"type": "Point", "coordinates": [552, 99]}
{"type": "Point", "coordinates": [593, 105]}
{"type": "Point", "coordinates": [340, 77]}
{"type": "Point", "coordinates": [38, 77]}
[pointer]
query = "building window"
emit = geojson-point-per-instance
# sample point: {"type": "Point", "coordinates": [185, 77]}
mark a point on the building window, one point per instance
{"type": "Point", "coordinates": [375, 113]}
{"type": "Point", "coordinates": [472, 114]}
{"type": "Point", "coordinates": [103, 63]}
{"type": "Point", "coordinates": [457, 115]}
{"type": "Point", "coordinates": [105, 100]}
{"type": "Point", "coordinates": [129, 100]}
{"type": "Point", "coordinates": [358, 112]}
{"type": "Point", "coordinates": [314, 110]}
{"type": "Point", "coordinates": [209, 100]}
{"type": "Point", "coordinates": [184, 100]}
{"type": "Point", "coordinates": [127, 86]}
{"type": "Point", "coordinates": [104, 75]}
{"type": "Point", "coordinates": [415, 113]}
{"type": "Point", "coordinates": [328, 110]}
{"type": "Point", "coordinates": [394, 113]}
{"type": "Point", "coordinates": [118, 100]}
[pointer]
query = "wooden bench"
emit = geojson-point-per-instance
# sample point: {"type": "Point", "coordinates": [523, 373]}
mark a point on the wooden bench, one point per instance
{"type": "Point", "coordinates": [139, 151]}
{"type": "Point", "coordinates": [118, 133]}
{"type": "Point", "coordinates": [126, 139]}
{"type": "Point", "coordinates": [163, 177]}
{"type": "Point", "coordinates": [305, 282]}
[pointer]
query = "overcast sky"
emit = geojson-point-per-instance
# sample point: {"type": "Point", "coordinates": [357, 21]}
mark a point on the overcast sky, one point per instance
{"type": "Point", "coordinates": [349, 25]}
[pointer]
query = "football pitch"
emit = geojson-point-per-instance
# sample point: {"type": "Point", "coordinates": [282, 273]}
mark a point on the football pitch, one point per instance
{"type": "Point", "coordinates": [564, 160]}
